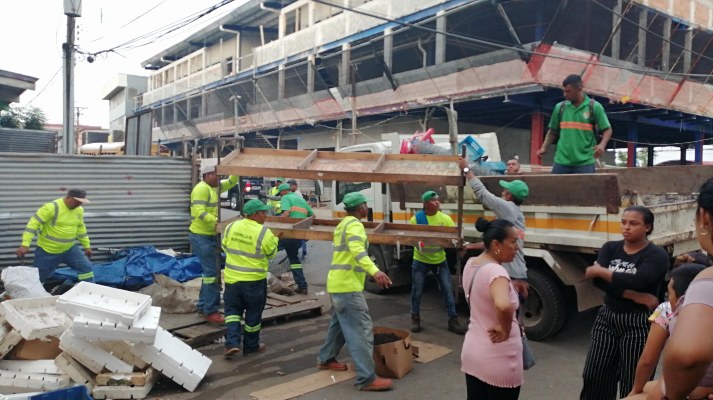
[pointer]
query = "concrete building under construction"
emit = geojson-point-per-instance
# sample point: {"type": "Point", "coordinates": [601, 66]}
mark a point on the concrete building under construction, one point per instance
{"type": "Point", "coordinates": [329, 73]}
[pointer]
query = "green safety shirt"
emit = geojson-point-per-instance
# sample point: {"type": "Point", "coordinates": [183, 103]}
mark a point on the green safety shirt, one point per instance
{"type": "Point", "coordinates": [204, 205]}
{"type": "Point", "coordinates": [247, 245]}
{"type": "Point", "coordinates": [427, 253]}
{"type": "Point", "coordinates": [350, 262]}
{"type": "Point", "coordinates": [296, 205]}
{"type": "Point", "coordinates": [577, 138]}
{"type": "Point", "coordinates": [58, 226]}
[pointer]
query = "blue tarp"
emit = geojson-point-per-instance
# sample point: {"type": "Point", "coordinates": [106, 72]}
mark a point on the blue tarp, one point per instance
{"type": "Point", "coordinates": [134, 268]}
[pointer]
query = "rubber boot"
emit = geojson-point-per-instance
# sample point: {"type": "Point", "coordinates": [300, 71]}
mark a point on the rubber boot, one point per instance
{"type": "Point", "coordinates": [455, 326]}
{"type": "Point", "coordinates": [416, 323]}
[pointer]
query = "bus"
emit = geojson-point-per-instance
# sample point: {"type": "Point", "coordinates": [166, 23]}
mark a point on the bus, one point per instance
{"type": "Point", "coordinates": [117, 149]}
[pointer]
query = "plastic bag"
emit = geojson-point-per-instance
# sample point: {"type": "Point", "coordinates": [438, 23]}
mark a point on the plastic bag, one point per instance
{"type": "Point", "coordinates": [23, 282]}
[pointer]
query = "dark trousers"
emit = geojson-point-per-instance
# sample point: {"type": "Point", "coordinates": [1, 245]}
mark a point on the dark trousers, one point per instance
{"type": "Point", "coordinates": [248, 298]}
{"type": "Point", "coordinates": [617, 342]}
{"type": "Point", "coordinates": [292, 248]}
{"type": "Point", "coordinates": [479, 390]}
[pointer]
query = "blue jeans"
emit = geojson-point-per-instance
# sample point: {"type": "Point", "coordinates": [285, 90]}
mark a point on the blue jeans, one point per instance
{"type": "Point", "coordinates": [292, 248]}
{"type": "Point", "coordinates": [351, 324]}
{"type": "Point", "coordinates": [419, 270]}
{"type": "Point", "coordinates": [572, 169]}
{"type": "Point", "coordinates": [248, 298]}
{"type": "Point", "coordinates": [74, 258]}
{"type": "Point", "coordinates": [206, 248]}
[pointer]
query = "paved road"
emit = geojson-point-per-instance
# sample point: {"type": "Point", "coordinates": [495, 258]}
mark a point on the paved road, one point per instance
{"type": "Point", "coordinates": [292, 348]}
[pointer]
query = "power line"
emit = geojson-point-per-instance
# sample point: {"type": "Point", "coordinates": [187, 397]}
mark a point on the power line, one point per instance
{"type": "Point", "coordinates": [46, 85]}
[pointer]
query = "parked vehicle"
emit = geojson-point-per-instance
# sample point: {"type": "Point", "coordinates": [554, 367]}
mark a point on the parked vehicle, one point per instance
{"type": "Point", "coordinates": [248, 188]}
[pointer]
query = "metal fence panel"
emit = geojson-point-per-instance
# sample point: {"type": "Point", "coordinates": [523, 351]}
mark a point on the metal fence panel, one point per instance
{"type": "Point", "coordinates": [135, 200]}
{"type": "Point", "coordinates": [27, 141]}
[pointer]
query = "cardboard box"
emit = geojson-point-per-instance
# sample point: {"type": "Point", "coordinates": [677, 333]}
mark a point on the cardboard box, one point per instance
{"type": "Point", "coordinates": [35, 350]}
{"type": "Point", "coordinates": [395, 359]}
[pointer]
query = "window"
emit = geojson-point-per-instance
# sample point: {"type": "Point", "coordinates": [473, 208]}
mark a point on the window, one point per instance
{"type": "Point", "coordinates": [347, 187]}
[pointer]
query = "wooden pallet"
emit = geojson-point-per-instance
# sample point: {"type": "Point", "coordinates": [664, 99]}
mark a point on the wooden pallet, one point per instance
{"type": "Point", "coordinates": [196, 332]}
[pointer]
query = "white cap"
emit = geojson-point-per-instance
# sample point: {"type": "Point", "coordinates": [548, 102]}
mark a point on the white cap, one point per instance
{"type": "Point", "coordinates": [208, 166]}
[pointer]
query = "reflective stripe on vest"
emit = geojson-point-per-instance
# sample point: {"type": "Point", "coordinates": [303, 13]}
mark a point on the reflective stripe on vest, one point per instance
{"type": "Point", "coordinates": [427, 249]}
{"type": "Point", "coordinates": [58, 240]}
{"type": "Point", "coordinates": [343, 242]}
{"type": "Point", "coordinates": [298, 209]}
{"type": "Point", "coordinates": [56, 213]}
{"type": "Point", "coordinates": [37, 217]}
{"type": "Point", "coordinates": [257, 255]}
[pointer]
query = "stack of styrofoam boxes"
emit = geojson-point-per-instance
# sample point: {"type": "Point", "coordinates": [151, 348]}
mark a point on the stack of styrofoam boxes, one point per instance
{"type": "Point", "coordinates": [118, 330]}
{"type": "Point", "coordinates": [30, 319]}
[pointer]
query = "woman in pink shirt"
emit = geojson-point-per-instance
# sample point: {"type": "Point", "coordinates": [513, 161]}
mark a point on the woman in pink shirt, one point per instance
{"type": "Point", "coordinates": [492, 350]}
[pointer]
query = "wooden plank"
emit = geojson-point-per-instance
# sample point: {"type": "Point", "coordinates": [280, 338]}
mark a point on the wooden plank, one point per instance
{"type": "Point", "coordinates": [284, 299]}
{"type": "Point", "coordinates": [305, 223]}
{"type": "Point", "coordinates": [171, 322]}
{"type": "Point", "coordinates": [304, 385]}
{"type": "Point", "coordinates": [308, 160]}
{"type": "Point", "coordinates": [378, 228]}
{"type": "Point", "coordinates": [140, 378]}
{"type": "Point", "coordinates": [379, 163]}
{"type": "Point", "coordinates": [292, 309]}
{"type": "Point", "coordinates": [428, 352]}
{"type": "Point", "coordinates": [200, 335]}
{"type": "Point", "coordinates": [275, 303]}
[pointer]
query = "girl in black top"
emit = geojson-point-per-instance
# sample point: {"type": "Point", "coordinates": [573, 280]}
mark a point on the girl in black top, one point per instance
{"type": "Point", "coordinates": [630, 272]}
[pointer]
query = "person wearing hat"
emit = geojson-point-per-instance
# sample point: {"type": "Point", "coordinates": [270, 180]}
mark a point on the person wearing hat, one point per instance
{"type": "Point", "coordinates": [274, 197]}
{"type": "Point", "coordinates": [59, 225]}
{"type": "Point", "coordinates": [432, 258]}
{"type": "Point", "coordinates": [204, 239]}
{"type": "Point", "coordinates": [294, 206]}
{"type": "Point", "coordinates": [351, 323]}
{"type": "Point", "coordinates": [507, 207]}
{"type": "Point", "coordinates": [294, 188]}
{"type": "Point", "coordinates": [248, 245]}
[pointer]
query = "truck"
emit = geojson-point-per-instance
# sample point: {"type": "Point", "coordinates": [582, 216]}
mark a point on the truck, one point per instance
{"type": "Point", "coordinates": [568, 217]}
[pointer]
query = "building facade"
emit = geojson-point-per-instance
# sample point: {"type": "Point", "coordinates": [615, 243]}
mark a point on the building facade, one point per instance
{"type": "Point", "coordinates": [120, 92]}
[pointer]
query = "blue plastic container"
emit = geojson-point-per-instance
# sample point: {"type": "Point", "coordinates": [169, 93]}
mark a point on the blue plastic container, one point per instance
{"type": "Point", "coordinates": [73, 393]}
{"type": "Point", "coordinates": [496, 166]}
{"type": "Point", "coordinates": [473, 150]}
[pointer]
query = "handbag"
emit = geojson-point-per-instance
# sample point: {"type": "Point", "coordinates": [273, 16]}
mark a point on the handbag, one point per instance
{"type": "Point", "coordinates": [528, 359]}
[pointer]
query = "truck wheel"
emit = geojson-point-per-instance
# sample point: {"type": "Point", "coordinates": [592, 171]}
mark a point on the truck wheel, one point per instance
{"type": "Point", "coordinates": [544, 313]}
{"type": "Point", "coordinates": [234, 202]}
{"type": "Point", "coordinates": [376, 254]}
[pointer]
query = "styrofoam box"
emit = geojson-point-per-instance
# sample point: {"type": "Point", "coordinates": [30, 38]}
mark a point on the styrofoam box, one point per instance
{"type": "Point", "coordinates": [20, 381]}
{"type": "Point", "coordinates": [90, 355]}
{"type": "Point", "coordinates": [8, 341]}
{"type": "Point", "coordinates": [103, 303]}
{"type": "Point", "coordinates": [143, 331]}
{"type": "Point", "coordinates": [31, 367]}
{"type": "Point", "coordinates": [175, 359]}
{"type": "Point", "coordinates": [35, 318]}
{"type": "Point", "coordinates": [20, 396]}
{"type": "Point", "coordinates": [75, 370]}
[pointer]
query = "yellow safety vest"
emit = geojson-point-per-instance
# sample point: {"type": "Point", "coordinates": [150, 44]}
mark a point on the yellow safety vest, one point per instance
{"type": "Point", "coordinates": [275, 204]}
{"type": "Point", "coordinates": [427, 253]}
{"type": "Point", "coordinates": [204, 205]}
{"type": "Point", "coordinates": [59, 228]}
{"type": "Point", "coordinates": [248, 245]}
{"type": "Point", "coordinates": [350, 262]}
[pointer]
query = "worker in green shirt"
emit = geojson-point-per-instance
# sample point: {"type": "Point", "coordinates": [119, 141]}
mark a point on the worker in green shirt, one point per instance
{"type": "Point", "coordinates": [294, 206]}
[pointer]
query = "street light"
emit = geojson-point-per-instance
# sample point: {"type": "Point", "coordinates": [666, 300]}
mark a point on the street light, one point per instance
{"type": "Point", "coordinates": [235, 98]}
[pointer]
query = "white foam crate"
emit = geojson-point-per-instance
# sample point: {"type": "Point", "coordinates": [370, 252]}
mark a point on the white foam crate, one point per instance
{"type": "Point", "coordinates": [90, 355]}
{"type": "Point", "coordinates": [76, 372]}
{"type": "Point", "coordinates": [31, 366]}
{"type": "Point", "coordinates": [143, 331]}
{"type": "Point", "coordinates": [20, 396]}
{"type": "Point", "coordinates": [9, 340]}
{"type": "Point", "coordinates": [22, 382]}
{"type": "Point", "coordinates": [35, 318]}
{"type": "Point", "coordinates": [122, 350]}
{"type": "Point", "coordinates": [103, 303]}
{"type": "Point", "coordinates": [175, 359]}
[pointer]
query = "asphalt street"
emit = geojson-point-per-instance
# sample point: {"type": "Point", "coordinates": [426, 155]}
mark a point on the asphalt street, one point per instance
{"type": "Point", "coordinates": [292, 347]}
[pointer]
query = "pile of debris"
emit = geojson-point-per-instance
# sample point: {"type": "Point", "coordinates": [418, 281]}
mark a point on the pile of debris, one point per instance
{"type": "Point", "coordinates": [110, 341]}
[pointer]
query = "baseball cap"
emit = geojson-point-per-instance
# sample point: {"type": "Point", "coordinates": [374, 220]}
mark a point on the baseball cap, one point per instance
{"type": "Point", "coordinates": [291, 181]}
{"type": "Point", "coordinates": [284, 186]}
{"type": "Point", "coordinates": [517, 187]}
{"type": "Point", "coordinates": [255, 205]}
{"type": "Point", "coordinates": [429, 195]}
{"type": "Point", "coordinates": [207, 167]}
{"type": "Point", "coordinates": [279, 179]}
{"type": "Point", "coordinates": [79, 194]}
{"type": "Point", "coordinates": [353, 199]}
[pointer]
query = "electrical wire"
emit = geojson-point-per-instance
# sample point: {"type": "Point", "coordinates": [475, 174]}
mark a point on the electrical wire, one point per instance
{"type": "Point", "coordinates": [46, 85]}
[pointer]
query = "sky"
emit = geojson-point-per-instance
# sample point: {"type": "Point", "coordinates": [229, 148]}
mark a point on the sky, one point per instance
{"type": "Point", "coordinates": [33, 32]}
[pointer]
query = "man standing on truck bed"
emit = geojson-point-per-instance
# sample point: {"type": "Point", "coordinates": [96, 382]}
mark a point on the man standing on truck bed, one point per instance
{"type": "Point", "coordinates": [351, 323]}
{"type": "Point", "coordinates": [432, 258]}
{"type": "Point", "coordinates": [60, 224]}
{"type": "Point", "coordinates": [574, 126]}
{"type": "Point", "coordinates": [294, 206]}
{"type": "Point", "coordinates": [204, 239]}
{"type": "Point", "coordinates": [506, 207]}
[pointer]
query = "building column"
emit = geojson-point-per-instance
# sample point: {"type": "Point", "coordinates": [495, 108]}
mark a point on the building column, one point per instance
{"type": "Point", "coordinates": [641, 55]}
{"type": "Point", "coordinates": [616, 35]}
{"type": "Point", "coordinates": [345, 68]}
{"type": "Point", "coordinates": [537, 135]}
{"type": "Point", "coordinates": [666, 45]}
{"type": "Point", "coordinates": [632, 136]}
{"type": "Point", "coordinates": [310, 73]}
{"type": "Point", "coordinates": [281, 82]}
{"type": "Point", "coordinates": [440, 39]}
{"type": "Point", "coordinates": [389, 47]}
{"type": "Point", "coordinates": [700, 136]}
{"type": "Point", "coordinates": [688, 47]}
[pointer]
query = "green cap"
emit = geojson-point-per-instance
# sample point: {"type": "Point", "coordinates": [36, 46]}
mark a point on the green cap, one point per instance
{"type": "Point", "coordinates": [279, 179]}
{"type": "Point", "coordinates": [353, 199]}
{"type": "Point", "coordinates": [430, 195]}
{"type": "Point", "coordinates": [517, 187]}
{"type": "Point", "coordinates": [284, 186]}
{"type": "Point", "coordinates": [255, 205]}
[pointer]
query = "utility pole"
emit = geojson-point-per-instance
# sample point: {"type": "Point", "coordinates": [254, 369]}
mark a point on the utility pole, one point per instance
{"type": "Point", "coordinates": [78, 110]}
{"type": "Point", "coordinates": [72, 9]}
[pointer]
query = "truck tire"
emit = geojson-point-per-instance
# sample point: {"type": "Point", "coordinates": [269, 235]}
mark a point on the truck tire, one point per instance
{"type": "Point", "coordinates": [235, 202]}
{"type": "Point", "coordinates": [376, 253]}
{"type": "Point", "coordinates": [544, 313]}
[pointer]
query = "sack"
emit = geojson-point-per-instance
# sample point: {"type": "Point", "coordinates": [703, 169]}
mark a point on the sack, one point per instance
{"type": "Point", "coordinates": [528, 360]}
{"type": "Point", "coordinates": [23, 282]}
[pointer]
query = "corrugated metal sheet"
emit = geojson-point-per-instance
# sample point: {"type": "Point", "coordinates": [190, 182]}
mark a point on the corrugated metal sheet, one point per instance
{"type": "Point", "coordinates": [135, 200]}
{"type": "Point", "coordinates": [27, 141]}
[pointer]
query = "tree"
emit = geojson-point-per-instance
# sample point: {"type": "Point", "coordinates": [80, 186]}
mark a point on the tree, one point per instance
{"type": "Point", "coordinates": [23, 117]}
{"type": "Point", "coordinates": [642, 157]}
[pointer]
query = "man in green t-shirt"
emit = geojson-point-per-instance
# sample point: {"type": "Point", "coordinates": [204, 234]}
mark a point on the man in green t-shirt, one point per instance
{"type": "Point", "coordinates": [574, 121]}
{"type": "Point", "coordinates": [294, 206]}
{"type": "Point", "coordinates": [431, 258]}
